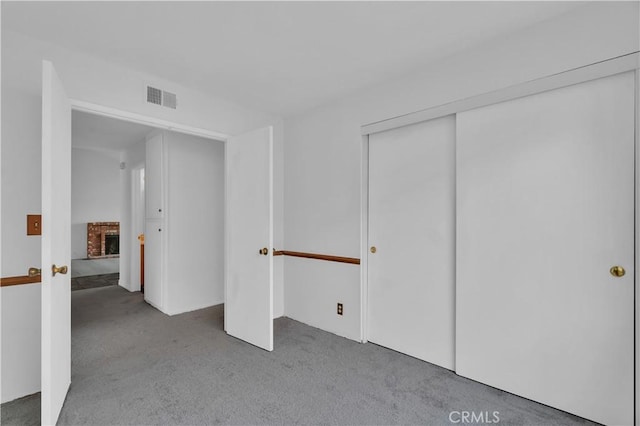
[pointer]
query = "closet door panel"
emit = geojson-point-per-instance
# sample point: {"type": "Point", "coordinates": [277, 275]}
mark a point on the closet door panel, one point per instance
{"type": "Point", "coordinates": [411, 226]}
{"type": "Point", "coordinates": [545, 209]}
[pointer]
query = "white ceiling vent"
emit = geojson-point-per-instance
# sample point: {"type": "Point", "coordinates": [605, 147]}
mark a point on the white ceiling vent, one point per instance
{"type": "Point", "coordinates": [154, 95]}
{"type": "Point", "coordinates": [161, 97]}
{"type": "Point", "coordinates": [169, 99]}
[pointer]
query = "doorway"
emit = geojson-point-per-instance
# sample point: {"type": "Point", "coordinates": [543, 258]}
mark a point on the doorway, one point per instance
{"type": "Point", "coordinates": [98, 199]}
{"type": "Point", "coordinates": [236, 161]}
{"type": "Point", "coordinates": [137, 223]}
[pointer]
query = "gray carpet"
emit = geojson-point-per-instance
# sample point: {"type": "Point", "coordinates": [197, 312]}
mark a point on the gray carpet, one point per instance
{"type": "Point", "coordinates": [21, 412]}
{"type": "Point", "coordinates": [94, 281]}
{"type": "Point", "coordinates": [134, 365]}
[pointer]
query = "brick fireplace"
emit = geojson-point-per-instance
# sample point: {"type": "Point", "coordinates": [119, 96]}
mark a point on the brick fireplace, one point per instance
{"type": "Point", "coordinates": [103, 239]}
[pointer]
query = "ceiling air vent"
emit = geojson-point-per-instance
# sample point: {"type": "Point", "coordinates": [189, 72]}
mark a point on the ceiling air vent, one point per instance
{"type": "Point", "coordinates": [154, 96]}
{"type": "Point", "coordinates": [169, 99]}
{"type": "Point", "coordinates": [161, 97]}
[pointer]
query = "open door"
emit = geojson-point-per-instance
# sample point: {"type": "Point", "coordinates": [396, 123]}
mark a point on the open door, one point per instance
{"type": "Point", "coordinates": [56, 244]}
{"type": "Point", "coordinates": [248, 310]}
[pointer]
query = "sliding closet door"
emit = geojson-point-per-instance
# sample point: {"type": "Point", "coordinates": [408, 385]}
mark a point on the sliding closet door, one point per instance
{"type": "Point", "coordinates": [545, 247]}
{"type": "Point", "coordinates": [411, 236]}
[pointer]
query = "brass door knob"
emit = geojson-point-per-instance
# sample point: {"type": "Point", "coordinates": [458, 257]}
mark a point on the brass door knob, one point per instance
{"type": "Point", "coordinates": [617, 271]}
{"type": "Point", "coordinates": [34, 272]}
{"type": "Point", "coordinates": [59, 270]}
{"type": "Point", "coordinates": [264, 251]}
{"type": "Point", "coordinates": [373, 249]}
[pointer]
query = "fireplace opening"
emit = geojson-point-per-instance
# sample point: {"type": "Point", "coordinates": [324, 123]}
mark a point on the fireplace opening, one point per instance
{"type": "Point", "coordinates": [111, 244]}
{"type": "Point", "coordinates": [103, 239]}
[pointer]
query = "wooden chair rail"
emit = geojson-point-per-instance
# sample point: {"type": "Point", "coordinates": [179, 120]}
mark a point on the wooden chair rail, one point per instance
{"type": "Point", "coordinates": [328, 257]}
{"type": "Point", "coordinates": [9, 281]}
{"type": "Point", "coordinates": [23, 279]}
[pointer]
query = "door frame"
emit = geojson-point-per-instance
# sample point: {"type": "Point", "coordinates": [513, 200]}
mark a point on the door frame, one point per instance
{"type": "Point", "coordinates": [160, 124]}
{"type": "Point", "coordinates": [612, 66]}
{"type": "Point", "coordinates": [120, 114]}
{"type": "Point", "coordinates": [136, 214]}
{"type": "Point", "coordinates": [146, 120]}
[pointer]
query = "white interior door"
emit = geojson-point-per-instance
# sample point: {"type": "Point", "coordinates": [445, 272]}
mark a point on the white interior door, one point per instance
{"type": "Point", "coordinates": [248, 310]}
{"type": "Point", "coordinates": [154, 261]}
{"type": "Point", "coordinates": [411, 225]}
{"type": "Point", "coordinates": [155, 244]}
{"type": "Point", "coordinates": [155, 177]}
{"type": "Point", "coordinates": [545, 209]}
{"type": "Point", "coordinates": [56, 244]}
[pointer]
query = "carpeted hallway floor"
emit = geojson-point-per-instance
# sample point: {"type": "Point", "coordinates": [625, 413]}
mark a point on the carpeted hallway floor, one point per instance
{"type": "Point", "coordinates": [93, 281]}
{"type": "Point", "coordinates": [90, 267]}
{"type": "Point", "coordinates": [134, 365]}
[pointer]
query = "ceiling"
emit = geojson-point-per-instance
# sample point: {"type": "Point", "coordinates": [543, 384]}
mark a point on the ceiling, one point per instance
{"type": "Point", "coordinates": [279, 57]}
{"type": "Point", "coordinates": [99, 133]}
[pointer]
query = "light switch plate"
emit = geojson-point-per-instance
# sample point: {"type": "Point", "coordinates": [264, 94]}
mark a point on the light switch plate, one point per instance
{"type": "Point", "coordinates": [34, 224]}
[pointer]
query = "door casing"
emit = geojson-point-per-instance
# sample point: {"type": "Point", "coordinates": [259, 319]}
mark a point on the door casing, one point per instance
{"type": "Point", "coordinates": [137, 218]}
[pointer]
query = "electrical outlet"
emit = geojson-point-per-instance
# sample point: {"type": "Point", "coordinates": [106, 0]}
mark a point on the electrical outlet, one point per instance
{"type": "Point", "coordinates": [339, 308]}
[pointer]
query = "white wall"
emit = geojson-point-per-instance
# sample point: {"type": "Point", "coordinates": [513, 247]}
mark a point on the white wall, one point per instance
{"type": "Point", "coordinates": [95, 193]}
{"type": "Point", "coordinates": [20, 329]}
{"type": "Point", "coordinates": [322, 147]}
{"type": "Point", "coordinates": [133, 157]}
{"type": "Point", "coordinates": [195, 223]}
{"type": "Point", "coordinates": [93, 80]}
